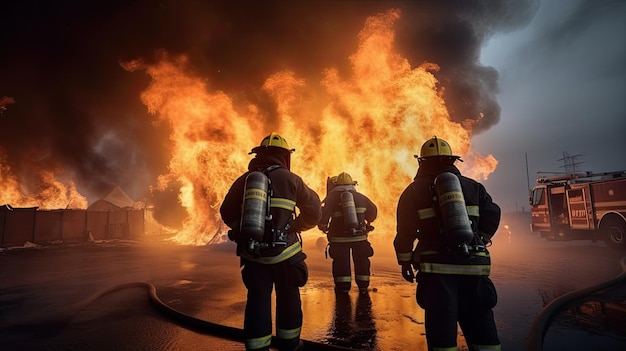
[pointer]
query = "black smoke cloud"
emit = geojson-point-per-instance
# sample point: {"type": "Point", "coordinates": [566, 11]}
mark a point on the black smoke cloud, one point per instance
{"type": "Point", "coordinates": [76, 109]}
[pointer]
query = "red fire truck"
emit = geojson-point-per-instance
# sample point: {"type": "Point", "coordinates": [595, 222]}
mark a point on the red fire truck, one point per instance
{"type": "Point", "coordinates": [581, 206]}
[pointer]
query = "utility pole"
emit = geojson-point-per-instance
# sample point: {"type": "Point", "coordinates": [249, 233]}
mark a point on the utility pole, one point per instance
{"type": "Point", "coordinates": [527, 176]}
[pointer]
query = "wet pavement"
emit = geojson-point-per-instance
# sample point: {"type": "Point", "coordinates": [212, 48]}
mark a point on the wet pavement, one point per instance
{"type": "Point", "coordinates": [50, 296]}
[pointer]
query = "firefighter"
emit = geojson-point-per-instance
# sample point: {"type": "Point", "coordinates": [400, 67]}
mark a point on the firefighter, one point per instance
{"type": "Point", "coordinates": [275, 258]}
{"type": "Point", "coordinates": [346, 218]}
{"type": "Point", "coordinates": [453, 218]}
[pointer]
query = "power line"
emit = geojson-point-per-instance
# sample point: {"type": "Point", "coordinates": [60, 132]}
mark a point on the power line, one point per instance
{"type": "Point", "coordinates": [571, 163]}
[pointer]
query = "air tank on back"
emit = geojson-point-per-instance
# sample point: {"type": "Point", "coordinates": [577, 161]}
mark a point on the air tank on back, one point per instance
{"type": "Point", "coordinates": [348, 209]}
{"type": "Point", "coordinates": [255, 206]}
{"type": "Point", "coordinates": [456, 221]}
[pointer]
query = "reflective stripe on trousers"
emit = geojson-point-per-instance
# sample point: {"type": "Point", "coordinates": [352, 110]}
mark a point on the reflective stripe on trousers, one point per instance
{"type": "Point", "coordinates": [343, 279]}
{"type": "Point", "coordinates": [471, 347]}
{"type": "Point", "coordinates": [288, 334]}
{"type": "Point", "coordinates": [258, 343]}
{"type": "Point", "coordinates": [363, 278]}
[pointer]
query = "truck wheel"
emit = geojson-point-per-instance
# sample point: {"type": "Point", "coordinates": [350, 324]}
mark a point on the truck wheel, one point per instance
{"type": "Point", "coordinates": [615, 231]}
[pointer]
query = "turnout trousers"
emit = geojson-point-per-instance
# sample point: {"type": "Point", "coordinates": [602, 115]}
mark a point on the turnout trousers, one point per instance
{"type": "Point", "coordinates": [340, 252]}
{"type": "Point", "coordinates": [466, 299]}
{"type": "Point", "coordinates": [260, 279]}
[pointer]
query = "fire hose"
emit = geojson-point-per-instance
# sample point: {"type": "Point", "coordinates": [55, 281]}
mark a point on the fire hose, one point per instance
{"type": "Point", "coordinates": [182, 319]}
{"type": "Point", "coordinates": [542, 321]}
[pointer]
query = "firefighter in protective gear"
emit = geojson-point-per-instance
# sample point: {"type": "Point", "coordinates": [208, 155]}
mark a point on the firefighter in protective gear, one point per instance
{"type": "Point", "coordinates": [453, 285]}
{"type": "Point", "coordinates": [277, 260]}
{"type": "Point", "coordinates": [344, 238]}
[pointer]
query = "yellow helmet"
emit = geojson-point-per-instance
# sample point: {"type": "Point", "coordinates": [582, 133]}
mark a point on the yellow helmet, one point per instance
{"type": "Point", "coordinates": [435, 147]}
{"type": "Point", "coordinates": [345, 179]}
{"type": "Point", "coordinates": [273, 140]}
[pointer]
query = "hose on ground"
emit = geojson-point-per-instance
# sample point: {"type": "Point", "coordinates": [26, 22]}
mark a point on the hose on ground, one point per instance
{"type": "Point", "coordinates": [542, 321]}
{"type": "Point", "coordinates": [57, 322]}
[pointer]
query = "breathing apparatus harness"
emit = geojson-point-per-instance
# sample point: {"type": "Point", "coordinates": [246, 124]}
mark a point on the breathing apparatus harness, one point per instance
{"type": "Point", "coordinates": [352, 227]}
{"type": "Point", "coordinates": [350, 218]}
{"type": "Point", "coordinates": [261, 217]}
{"type": "Point", "coordinates": [456, 233]}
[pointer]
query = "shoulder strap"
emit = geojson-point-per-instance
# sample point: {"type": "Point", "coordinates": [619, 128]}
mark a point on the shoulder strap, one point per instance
{"type": "Point", "coordinates": [270, 191]}
{"type": "Point", "coordinates": [435, 200]}
{"type": "Point", "coordinates": [278, 235]}
{"type": "Point", "coordinates": [271, 168]}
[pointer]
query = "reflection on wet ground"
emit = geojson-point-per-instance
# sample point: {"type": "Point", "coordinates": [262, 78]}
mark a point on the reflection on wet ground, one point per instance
{"type": "Point", "coordinates": [532, 273]}
{"type": "Point", "coordinates": [529, 273]}
{"type": "Point", "coordinates": [352, 324]}
{"type": "Point", "coordinates": [598, 320]}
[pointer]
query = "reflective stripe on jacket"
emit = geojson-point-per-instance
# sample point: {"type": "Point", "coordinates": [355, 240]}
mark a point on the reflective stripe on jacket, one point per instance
{"type": "Point", "coordinates": [347, 239]}
{"type": "Point", "coordinates": [417, 221]}
{"type": "Point", "coordinates": [288, 193]}
{"type": "Point", "coordinates": [332, 216]}
{"type": "Point", "coordinates": [282, 256]}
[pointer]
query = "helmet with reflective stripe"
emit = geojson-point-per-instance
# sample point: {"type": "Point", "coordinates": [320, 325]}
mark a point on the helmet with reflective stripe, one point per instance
{"type": "Point", "coordinates": [436, 147]}
{"type": "Point", "coordinates": [344, 179]}
{"type": "Point", "coordinates": [274, 140]}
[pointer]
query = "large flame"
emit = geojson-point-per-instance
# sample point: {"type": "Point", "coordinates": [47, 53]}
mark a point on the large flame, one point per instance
{"type": "Point", "coordinates": [51, 192]}
{"type": "Point", "coordinates": [368, 123]}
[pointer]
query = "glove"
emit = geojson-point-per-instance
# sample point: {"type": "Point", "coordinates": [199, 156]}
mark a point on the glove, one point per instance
{"type": "Point", "coordinates": [407, 272]}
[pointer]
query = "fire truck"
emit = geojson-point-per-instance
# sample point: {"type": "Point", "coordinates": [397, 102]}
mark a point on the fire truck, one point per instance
{"type": "Point", "coordinates": [580, 206]}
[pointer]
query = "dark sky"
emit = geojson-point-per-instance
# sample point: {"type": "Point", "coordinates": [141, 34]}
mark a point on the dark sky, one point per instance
{"type": "Point", "coordinates": [67, 104]}
{"type": "Point", "coordinates": [562, 92]}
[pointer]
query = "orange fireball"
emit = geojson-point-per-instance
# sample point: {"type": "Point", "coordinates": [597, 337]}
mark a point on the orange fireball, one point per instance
{"type": "Point", "coordinates": [369, 122]}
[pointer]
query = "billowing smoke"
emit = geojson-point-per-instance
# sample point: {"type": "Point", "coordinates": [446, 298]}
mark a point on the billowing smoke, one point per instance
{"type": "Point", "coordinates": [69, 106]}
